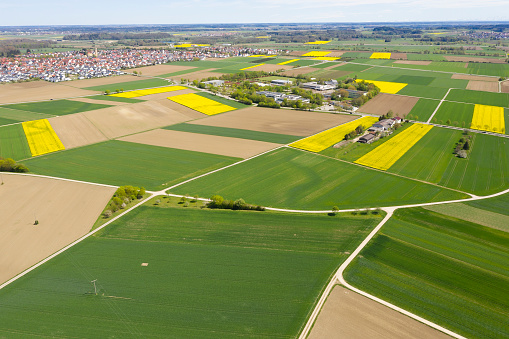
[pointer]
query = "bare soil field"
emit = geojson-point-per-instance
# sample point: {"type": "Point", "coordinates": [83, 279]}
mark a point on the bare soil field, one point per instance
{"type": "Point", "coordinates": [76, 130]}
{"type": "Point", "coordinates": [232, 147]}
{"type": "Point", "coordinates": [398, 56]}
{"type": "Point", "coordinates": [107, 102]}
{"type": "Point", "coordinates": [483, 86]}
{"type": "Point", "coordinates": [347, 314]}
{"type": "Point", "coordinates": [37, 91]}
{"type": "Point", "coordinates": [474, 77]}
{"type": "Point", "coordinates": [280, 121]}
{"type": "Point", "coordinates": [159, 69]}
{"type": "Point", "coordinates": [160, 96]}
{"type": "Point", "coordinates": [270, 68]}
{"type": "Point", "coordinates": [336, 54]}
{"type": "Point", "coordinates": [383, 102]}
{"type": "Point", "coordinates": [65, 211]}
{"type": "Point", "coordinates": [297, 53]}
{"type": "Point", "coordinates": [101, 81]}
{"type": "Point", "coordinates": [505, 87]}
{"type": "Point", "coordinates": [413, 62]}
{"type": "Point", "coordinates": [118, 121]}
{"type": "Point", "coordinates": [198, 75]}
{"type": "Point", "coordinates": [299, 71]}
{"type": "Point", "coordinates": [172, 105]}
{"type": "Point", "coordinates": [473, 59]}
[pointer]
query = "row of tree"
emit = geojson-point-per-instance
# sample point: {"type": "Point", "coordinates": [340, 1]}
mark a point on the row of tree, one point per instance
{"type": "Point", "coordinates": [9, 165]}
{"type": "Point", "coordinates": [122, 197]}
{"type": "Point", "coordinates": [219, 202]}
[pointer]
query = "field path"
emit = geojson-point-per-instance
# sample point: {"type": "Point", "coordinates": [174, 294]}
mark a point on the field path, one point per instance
{"type": "Point", "coordinates": [440, 104]}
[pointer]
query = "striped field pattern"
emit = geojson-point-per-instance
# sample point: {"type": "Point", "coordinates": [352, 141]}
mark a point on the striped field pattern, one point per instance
{"type": "Point", "coordinates": [488, 118]}
{"type": "Point", "coordinates": [385, 155]}
{"type": "Point", "coordinates": [201, 104]}
{"type": "Point", "coordinates": [143, 92]}
{"type": "Point", "coordinates": [325, 139]}
{"type": "Point", "coordinates": [41, 137]}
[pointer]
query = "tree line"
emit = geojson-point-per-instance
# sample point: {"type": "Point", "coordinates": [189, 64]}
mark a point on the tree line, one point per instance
{"type": "Point", "coordinates": [9, 165]}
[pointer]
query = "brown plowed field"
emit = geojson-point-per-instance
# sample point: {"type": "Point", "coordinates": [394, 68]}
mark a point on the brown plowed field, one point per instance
{"type": "Point", "coordinates": [483, 86]}
{"type": "Point", "coordinates": [280, 121]}
{"type": "Point", "coordinates": [398, 56]}
{"type": "Point", "coordinates": [37, 91]}
{"type": "Point", "coordinates": [473, 59]}
{"type": "Point", "coordinates": [232, 147]}
{"type": "Point", "coordinates": [299, 71]}
{"type": "Point", "coordinates": [505, 87]}
{"type": "Point", "coordinates": [474, 77]}
{"type": "Point", "coordinates": [76, 130]}
{"type": "Point", "coordinates": [101, 81]}
{"type": "Point", "coordinates": [413, 62]}
{"type": "Point", "coordinates": [65, 211]}
{"type": "Point", "coordinates": [347, 314]}
{"type": "Point", "coordinates": [383, 102]}
{"type": "Point", "coordinates": [336, 54]}
{"type": "Point", "coordinates": [159, 69]}
{"type": "Point", "coordinates": [206, 73]}
{"type": "Point", "coordinates": [270, 68]}
{"type": "Point", "coordinates": [118, 121]}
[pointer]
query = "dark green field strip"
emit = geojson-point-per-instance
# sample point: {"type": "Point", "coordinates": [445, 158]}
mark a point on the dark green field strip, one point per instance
{"type": "Point", "coordinates": [431, 159]}
{"type": "Point", "coordinates": [424, 91]}
{"type": "Point", "coordinates": [449, 271]}
{"type": "Point", "coordinates": [498, 204]}
{"type": "Point", "coordinates": [5, 121]}
{"type": "Point", "coordinates": [352, 67]}
{"type": "Point", "coordinates": [479, 97]}
{"type": "Point", "coordinates": [210, 274]}
{"type": "Point", "coordinates": [14, 114]}
{"type": "Point", "coordinates": [57, 107]}
{"type": "Point", "coordinates": [449, 83]}
{"type": "Point", "coordinates": [117, 99]}
{"type": "Point", "coordinates": [13, 143]}
{"type": "Point", "coordinates": [222, 100]}
{"type": "Point", "coordinates": [125, 163]}
{"type": "Point", "coordinates": [234, 133]}
{"type": "Point", "coordinates": [130, 85]}
{"type": "Point", "coordinates": [289, 178]}
{"type": "Point", "coordinates": [423, 109]}
{"type": "Point", "coordinates": [455, 112]}
{"type": "Point", "coordinates": [415, 80]}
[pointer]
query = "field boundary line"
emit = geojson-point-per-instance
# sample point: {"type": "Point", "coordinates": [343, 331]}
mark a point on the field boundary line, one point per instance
{"type": "Point", "coordinates": [63, 179]}
{"type": "Point", "coordinates": [439, 104]}
{"type": "Point", "coordinates": [75, 242]}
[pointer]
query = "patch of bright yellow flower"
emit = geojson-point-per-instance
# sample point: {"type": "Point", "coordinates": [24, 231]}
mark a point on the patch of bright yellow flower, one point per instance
{"type": "Point", "coordinates": [288, 61]}
{"type": "Point", "coordinates": [201, 104]}
{"type": "Point", "coordinates": [326, 58]}
{"type": "Point", "coordinates": [316, 54]}
{"type": "Point", "coordinates": [143, 92]}
{"type": "Point", "coordinates": [488, 118]}
{"type": "Point", "coordinates": [387, 87]}
{"type": "Point", "coordinates": [243, 69]}
{"type": "Point", "coordinates": [325, 139]}
{"type": "Point", "coordinates": [41, 137]}
{"type": "Point", "coordinates": [380, 56]}
{"type": "Point", "coordinates": [385, 155]}
{"type": "Point", "coordinates": [317, 42]}
{"type": "Point", "coordinates": [190, 45]}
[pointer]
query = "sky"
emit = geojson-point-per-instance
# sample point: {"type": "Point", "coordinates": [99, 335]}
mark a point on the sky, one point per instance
{"type": "Point", "coordinates": [109, 12]}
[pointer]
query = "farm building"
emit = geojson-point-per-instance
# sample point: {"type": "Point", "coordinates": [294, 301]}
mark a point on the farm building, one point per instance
{"type": "Point", "coordinates": [317, 87]}
{"type": "Point", "coordinates": [281, 82]}
{"type": "Point", "coordinates": [367, 139]}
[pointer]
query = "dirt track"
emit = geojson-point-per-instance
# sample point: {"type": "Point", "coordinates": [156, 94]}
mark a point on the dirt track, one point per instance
{"type": "Point", "coordinates": [383, 102]}
{"type": "Point", "coordinates": [65, 210]}
{"type": "Point", "coordinates": [483, 86]}
{"type": "Point", "coordinates": [281, 121]}
{"type": "Point", "coordinates": [76, 130]}
{"type": "Point", "coordinates": [347, 314]}
{"type": "Point", "coordinates": [38, 90]}
{"type": "Point", "coordinates": [232, 147]}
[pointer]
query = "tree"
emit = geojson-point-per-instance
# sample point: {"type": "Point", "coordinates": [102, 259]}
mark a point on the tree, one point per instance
{"type": "Point", "coordinates": [135, 72]}
{"type": "Point", "coordinates": [107, 92]}
{"type": "Point", "coordinates": [466, 146]}
{"type": "Point", "coordinates": [335, 209]}
{"type": "Point", "coordinates": [390, 114]}
{"type": "Point", "coordinates": [448, 122]}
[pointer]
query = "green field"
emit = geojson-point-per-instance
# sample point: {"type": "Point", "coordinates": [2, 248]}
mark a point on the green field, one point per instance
{"type": "Point", "coordinates": [424, 91]}
{"type": "Point", "coordinates": [17, 115]}
{"type": "Point", "coordinates": [431, 159]}
{"type": "Point", "coordinates": [13, 143]}
{"type": "Point", "coordinates": [231, 103]}
{"type": "Point", "coordinates": [352, 67]}
{"type": "Point", "coordinates": [131, 85]}
{"type": "Point", "coordinates": [5, 121]}
{"type": "Point", "coordinates": [289, 178]}
{"type": "Point", "coordinates": [234, 133]}
{"type": "Point", "coordinates": [210, 274]}
{"type": "Point", "coordinates": [125, 163]}
{"type": "Point", "coordinates": [498, 204]}
{"type": "Point", "coordinates": [449, 271]}
{"type": "Point", "coordinates": [423, 109]}
{"type": "Point", "coordinates": [117, 99]}
{"type": "Point", "coordinates": [499, 70]}
{"type": "Point", "coordinates": [459, 114]}
{"type": "Point", "coordinates": [479, 97]}
{"type": "Point", "coordinates": [57, 107]}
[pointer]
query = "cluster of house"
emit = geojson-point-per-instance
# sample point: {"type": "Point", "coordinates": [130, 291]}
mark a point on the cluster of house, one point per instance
{"type": "Point", "coordinates": [64, 66]}
{"type": "Point", "coordinates": [280, 97]}
{"type": "Point", "coordinates": [375, 131]}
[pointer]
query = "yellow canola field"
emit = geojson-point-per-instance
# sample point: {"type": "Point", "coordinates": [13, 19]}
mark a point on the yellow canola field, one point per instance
{"type": "Point", "coordinates": [385, 155]}
{"type": "Point", "coordinates": [243, 69]}
{"type": "Point", "coordinates": [380, 56]}
{"type": "Point", "coordinates": [263, 37]}
{"type": "Point", "coordinates": [258, 56]}
{"type": "Point", "coordinates": [325, 139]}
{"type": "Point", "coordinates": [201, 104]}
{"type": "Point", "coordinates": [41, 137]}
{"type": "Point", "coordinates": [387, 87]}
{"type": "Point", "coordinates": [191, 45]}
{"type": "Point", "coordinates": [287, 62]}
{"type": "Point", "coordinates": [316, 54]}
{"type": "Point", "coordinates": [143, 92]}
{"type": "Point", "coordinates": [317, 42]}
{"type": "Point", "coordinates": [488, 118]}
{"type": "Point", "coordinates": [326, 58]}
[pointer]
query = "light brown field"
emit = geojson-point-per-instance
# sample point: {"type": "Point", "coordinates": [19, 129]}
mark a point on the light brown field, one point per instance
{"type": "Point", "coordinates": [76, 130]}
{"type": "Point", "coordinates": [299, 71]}
{"type": "Point", "coordinates": [398, 56]}
{"type": "Point", "coordinates": [232, 147]}
{"type": "Point", "coordinates": [483, 86]}
{"type": "Point", "coordinates": [347, 314]}
{"type": "Point", "coordinates": [474, 77]}
{"type": "Point", "coordinates": [65, 211]}
{"type": "Point", "coordinates": [473, 59]}
{"type": "Point", "coordinates": [413, 62]}
{"type": "Point", "coordinates": [505, 87]}
{"type": "Point", "coordinates": [383, 102]}
{"type": "Point", "coordinates": [336, 54]}
{"type": "Point", "coordinates": [38, 90]}
{"type": "Point", "coordinates": [270, 68]}
{"type": "Point", "coordinates": [101, 81]}
{"type": "Point", "coordinates": [159, 69]}
{"type": "Point", "coordinates": [118, 121]}
{"type": "Point", "coordinates": [283, 121]}
{"type": "Point", "coordinates": [104, 102]}
{"type": "Point", "coordinates": [297, 53]}
{"type": "Point", "coordinates": [198, 75]}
